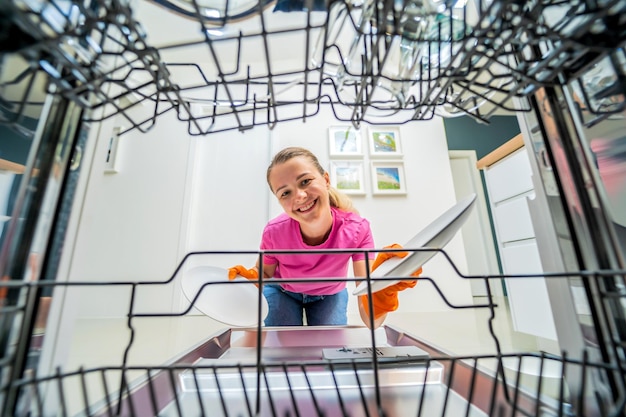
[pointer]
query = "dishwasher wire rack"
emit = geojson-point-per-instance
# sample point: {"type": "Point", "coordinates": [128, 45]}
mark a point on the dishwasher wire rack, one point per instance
{"type": "Point", "coordinates": [262, 384]}
{"type": "Point", "coordinates": [97, 54]}
{"type": "Point", "coordinates": [321, 389]}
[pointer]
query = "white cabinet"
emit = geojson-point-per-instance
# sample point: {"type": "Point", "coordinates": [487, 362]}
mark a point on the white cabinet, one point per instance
{"type": "Point", "coordinates": [514, 219]}
{"type": "Point", "coordinates": [6, 182]}
{"type": "Point", "coordinates": [508, 176]}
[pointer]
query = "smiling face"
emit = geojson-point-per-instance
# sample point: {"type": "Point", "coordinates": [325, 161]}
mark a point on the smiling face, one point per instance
{"type": "Point", "coordinates": [302, 192]}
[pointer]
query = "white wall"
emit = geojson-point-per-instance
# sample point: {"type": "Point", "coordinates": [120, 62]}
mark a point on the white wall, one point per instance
{"type": "Point", "coordinates": [129, 223]}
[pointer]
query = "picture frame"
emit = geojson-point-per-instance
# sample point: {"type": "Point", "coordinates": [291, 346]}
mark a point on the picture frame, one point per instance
{"type": "Point", "coordinates": [348, 177]}
{"type": "Point", "coordinates": [388, 178]}
{"type": "Point", "coordinates": [345, 141]}
{"type": "Point", "coordinates": [384, 141]}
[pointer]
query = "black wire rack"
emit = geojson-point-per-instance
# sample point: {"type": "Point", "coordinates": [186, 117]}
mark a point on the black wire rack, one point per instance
{"type": "Point", "coordinates": [366, 60]}
{"type": "Point", "coordinates": [254, 394]}
{"type": "Point", "coordinates": [439, 385]}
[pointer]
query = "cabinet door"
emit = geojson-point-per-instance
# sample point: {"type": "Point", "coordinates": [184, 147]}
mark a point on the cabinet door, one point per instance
{"type": "Point", "coordinates": [509, 177]}
{"type": "Point", "coordinates": [528, 297]}
{"type": "Point", "coordinates": [513, 221]}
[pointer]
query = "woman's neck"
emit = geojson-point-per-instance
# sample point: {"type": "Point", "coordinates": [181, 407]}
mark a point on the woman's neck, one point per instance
{"type": "Point", "coordinates": [317, 234]}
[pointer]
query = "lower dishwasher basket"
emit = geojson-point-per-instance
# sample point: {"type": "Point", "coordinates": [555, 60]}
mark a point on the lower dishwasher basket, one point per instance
{"type": "Point", "coordinates": [316, 371]}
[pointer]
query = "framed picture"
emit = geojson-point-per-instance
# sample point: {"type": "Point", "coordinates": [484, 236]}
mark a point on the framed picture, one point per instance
{"type": "Point", "coordinates": [384, 141]}
{"type": "Point", "coordinates": [388, 178]}
{"type": "Point", "coordinates": [345, 141]}
{"type": "Point", "coordinates": [347, 176]}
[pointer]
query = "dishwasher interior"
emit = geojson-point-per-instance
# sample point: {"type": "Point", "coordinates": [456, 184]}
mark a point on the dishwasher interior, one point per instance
{"type": "Point", "coordinates": [75, 64]}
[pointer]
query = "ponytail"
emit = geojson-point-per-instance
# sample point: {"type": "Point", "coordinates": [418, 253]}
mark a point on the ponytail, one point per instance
{"type": "Point", "coordinates": [341, 201]}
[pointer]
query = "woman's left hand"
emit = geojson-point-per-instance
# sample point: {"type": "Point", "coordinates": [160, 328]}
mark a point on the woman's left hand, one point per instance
{"type": "Point", "coordinates": [386, 300]}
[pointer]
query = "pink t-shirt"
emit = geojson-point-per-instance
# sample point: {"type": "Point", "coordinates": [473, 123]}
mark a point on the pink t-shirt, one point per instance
{"type": "Point", "coordinates": [349, 231]}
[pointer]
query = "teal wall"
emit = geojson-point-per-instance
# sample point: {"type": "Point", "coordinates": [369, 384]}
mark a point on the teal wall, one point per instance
{"type": "Point", "coordinates": [14, 146]}
{"type": "Point", "coordinates": [16, 139]}
{"type": "Point", "coordinates": [464, 133]}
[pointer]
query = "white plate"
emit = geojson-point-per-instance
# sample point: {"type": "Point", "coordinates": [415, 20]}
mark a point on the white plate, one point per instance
{"type": "Point", "coordinates": [436, 235]}
{"type": "Point", "coordinates": [229, 303]}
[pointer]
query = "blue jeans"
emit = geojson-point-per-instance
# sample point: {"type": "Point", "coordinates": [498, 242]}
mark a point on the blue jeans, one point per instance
{"type": "Point", "coordinates": [286, 308]}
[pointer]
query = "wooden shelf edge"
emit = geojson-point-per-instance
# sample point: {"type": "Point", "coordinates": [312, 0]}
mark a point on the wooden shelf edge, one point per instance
{"type": "Point", "coordinates": [11, 166]}
{"type": "Point", "coordinates": [500, 152]}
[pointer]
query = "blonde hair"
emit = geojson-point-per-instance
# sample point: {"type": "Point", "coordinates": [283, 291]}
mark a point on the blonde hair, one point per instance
{"type": "Point", "coordinates": [337, 199]}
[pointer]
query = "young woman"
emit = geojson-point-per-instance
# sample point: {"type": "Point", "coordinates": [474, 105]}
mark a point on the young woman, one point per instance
{"type": "Point", "coordinates": [316, 216]}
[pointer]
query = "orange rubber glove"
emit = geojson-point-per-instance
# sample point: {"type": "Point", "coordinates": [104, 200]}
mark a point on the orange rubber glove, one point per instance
{"type": "Point", "coordinates": [251, 274]}
{"type": "Point", "coordinates": [386, 300]}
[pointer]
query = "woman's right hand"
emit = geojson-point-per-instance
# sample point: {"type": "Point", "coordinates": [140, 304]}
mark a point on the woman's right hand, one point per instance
{"type": "Point", "coordinates": [251, 274]}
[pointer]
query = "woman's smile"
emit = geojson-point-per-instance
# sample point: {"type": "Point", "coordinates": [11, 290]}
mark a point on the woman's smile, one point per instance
{"type": "Point", "coordinates": [308, 207]}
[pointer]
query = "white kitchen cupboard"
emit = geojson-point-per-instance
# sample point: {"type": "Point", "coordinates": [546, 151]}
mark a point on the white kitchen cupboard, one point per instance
{"type": "Point", "coordinates": [508, 177]}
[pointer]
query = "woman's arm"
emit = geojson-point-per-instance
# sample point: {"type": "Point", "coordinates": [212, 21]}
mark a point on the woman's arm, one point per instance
{"type": "Point", "coordinates": [268, 269]}
{"type": "Point", "coordinates": [360, 271]}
